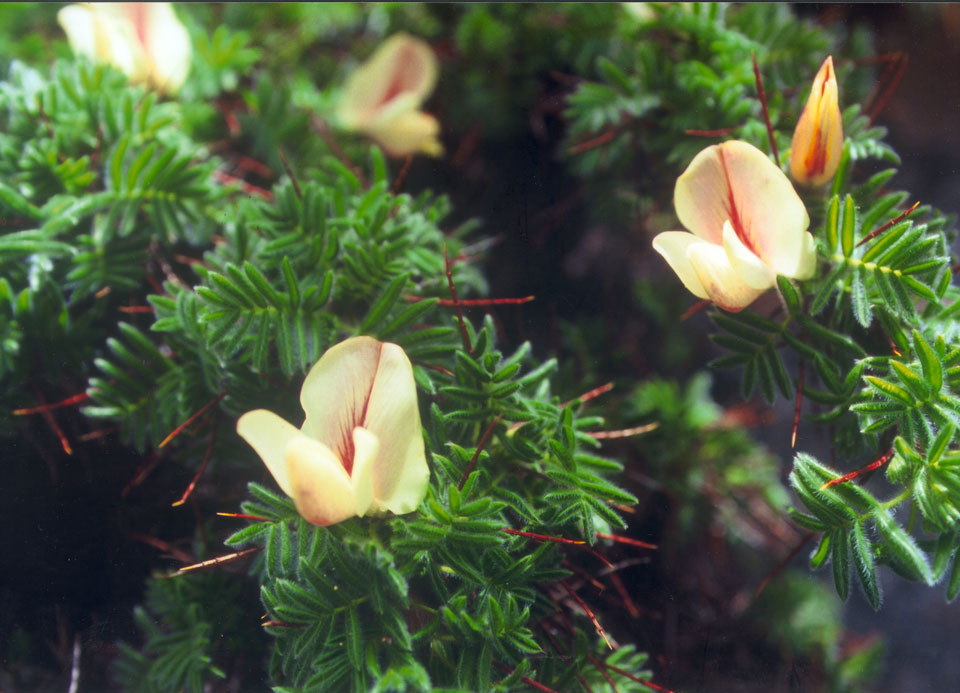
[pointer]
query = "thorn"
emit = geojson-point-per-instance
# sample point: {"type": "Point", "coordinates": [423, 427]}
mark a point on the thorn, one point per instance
{"type": "Point", "coordinates": [594, 143]}
{"type": "Point", "coordinates": [624, 595]}
{"type": "Point", "coordinates": [398, 183]}
{"type": "Point", "coordinates": [694, 309]}
{"type": "Point", "coordinates": [480, 445]}
{"type": "Point", "coordinates": [246, 163]}
{"type": "Point", "coordinates": [99, 433]}
{"type": "Point", "coordinates": [587, 396]}
{"type": "Point", "coordinates": [543, 537]}
{"type": "Point", "coordinates": [293, 178]}
{"type": "Point", "coordinates": [797, 404]}
{"type": "Point", "coordinates": [51, 422]}
{"type": "Point", "coordinates": [879, 462]}
{"type": "Point", "coordinates": [526, 679]}
{"type": "Point", "coordinates": [281, 624]}
{"type": "Point", "coordinates": [623, 433]}
{"type": "Point", "coordinates": [898, 62]}
{"type": "Point", "coordinates": [321, 127]}
{"type": "Point", "coordinates": [228, 558]}
{"type": "Point", "coordinates": [162, 545]}
{"type": "Point", "coordinates": [784, 562]}
{"type": "Point", "coordinates": [179, 429]}
{"type": "Point", "coordinates": [475, 301]}
{"type": "Point", "coordinates": [710, 133]}
{"type": "Point", "coordinates": [76, 399]}
{"type": "Point", "coordinates": [903, 215]}
{"type": "Point", "coordinates": [203, 467]}
{"type": "Point", "coordinates": [242, 516]}
{"type": "Point", "coordinates": [566, 660]}
{"type": "Point", "coordinates": [247, 188]}
{"type": "Point", "coordinates": [630, 676]}
{"type": "Point", "coordinates": [763, 107]}
{"type": "Point", "coordinates": [453, 293]}
{"type": "Point", "coordinates": [627, 540]}
{"type": "Point", "coordinates": [590, 614]}
{"type": "Point", "coordinates": [145, 468]}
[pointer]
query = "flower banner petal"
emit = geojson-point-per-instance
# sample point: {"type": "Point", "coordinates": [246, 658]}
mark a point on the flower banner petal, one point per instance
{"type": "Point", "coordinates": [400, 470]}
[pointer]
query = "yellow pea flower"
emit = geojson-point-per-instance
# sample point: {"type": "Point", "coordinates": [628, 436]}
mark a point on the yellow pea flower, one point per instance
{"type": "Point", "coordinates": [383, 96]}
{"type": "Point", "coordinates": [747, 225]}
{"type": "Point", "coordinates": [360, 448]}
{"type": "Point", "coordinates": [818, 139]}
{"type": "Point", "coordinates": [144, 40]}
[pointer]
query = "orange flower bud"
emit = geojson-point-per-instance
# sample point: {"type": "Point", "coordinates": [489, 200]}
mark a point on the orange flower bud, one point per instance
{"type": "Point", "coordinates": [818, 139]}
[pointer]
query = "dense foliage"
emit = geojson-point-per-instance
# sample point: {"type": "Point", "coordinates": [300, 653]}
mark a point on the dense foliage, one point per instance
{"type": "Point", "coordinates": [182, 260]}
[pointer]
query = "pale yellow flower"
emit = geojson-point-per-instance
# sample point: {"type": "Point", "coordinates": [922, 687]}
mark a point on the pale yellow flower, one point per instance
{"type": "Point", "coordinates": [818, 139]}
{"type": "Point", "coordinates": [748, 225]}
{"type": "Point", "coordinates": [144, 40]}
{"type": "Point", "coordinates": [383, 96]}
{"type": "Point", "coordinates": [360, 448]}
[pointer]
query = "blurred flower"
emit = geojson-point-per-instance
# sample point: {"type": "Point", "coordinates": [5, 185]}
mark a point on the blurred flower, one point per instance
{"type": "Point", "coordinates": [818, 139]}
{"type": "Point", "coordinates": [360, 448]}
{"type": "Point", "coordinates": [748, 225]}
{"type": "Point", "coordinates": [382, 97]}
{"type": "Point", "coordinates": [144, 40]}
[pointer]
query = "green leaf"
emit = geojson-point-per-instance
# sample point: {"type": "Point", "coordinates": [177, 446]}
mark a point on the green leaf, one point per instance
{"type": "Point", "coordinates": [388, 297]}
{"type": "Point", "coordinates": [932, 369]}
{"type": "Point", "coordinates": [953, 582]}
{"type": "Point", "coordinates": [918, 386]}
{"type": "Point", "coordinates": [866, 567]}
{"type": "Point", "coordinates": [840, 560]}
{"type": "Point", "coordinates": [849, 226]}
{"type": "Point", "coordinates": [789, 294]}
{"type": "Point", "coordinates": [902, 546]}
{"type": "Point", "coordinates": [890, 390]}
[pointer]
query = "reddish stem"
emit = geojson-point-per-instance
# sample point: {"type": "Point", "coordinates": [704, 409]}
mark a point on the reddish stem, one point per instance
{"type": "Point", "coordinates": [474, 301]}
{"type": "Point", "coordinates": [453, 293]}
{"type": "Point", "coordinates": [588, 612]}
{"type": "Point", "coordinates": [543, 537]}
{"type": "Point", "coordinates": [710, 133]}
{"type": "Point", "coordinates": [76, 399]}
{"type": "Point", "coordinates": [203, 467]}
{"type": "Point", "coordinates": [526, 679]}
{"type": "Point", "coordinates": [903, 215]}
{"type": "Point", "coordinates": [196, 415]}
{"type": "Point", "coordinates": [879, 462]}
{"type": "Point", "coordinates": [797, 404]}
{"type": "Point", "coordinates": [480, 445]}
{"type": "Point", "coordinates": [52, 423]}
{"type": "Point", "coordinates": [627, 540]}
{"type": "Point", "coordinates": [242, 516]}
{"type": "Point", "coordinates": [763, 107]}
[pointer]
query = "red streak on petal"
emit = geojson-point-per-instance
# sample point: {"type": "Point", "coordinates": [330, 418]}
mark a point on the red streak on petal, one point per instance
{"type": "Point", "coordinates": [736, 221]}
